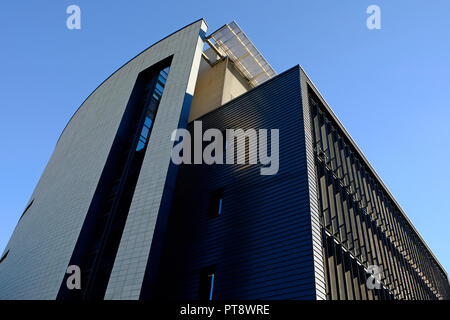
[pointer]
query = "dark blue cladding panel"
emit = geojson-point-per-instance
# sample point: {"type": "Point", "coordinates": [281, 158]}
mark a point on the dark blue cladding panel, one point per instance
{"type": "Point", "coordinates": [261, 244]}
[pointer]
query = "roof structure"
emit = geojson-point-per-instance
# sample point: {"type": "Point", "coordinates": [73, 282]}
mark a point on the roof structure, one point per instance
{"type": "Point", "coordinates": [234, 43]}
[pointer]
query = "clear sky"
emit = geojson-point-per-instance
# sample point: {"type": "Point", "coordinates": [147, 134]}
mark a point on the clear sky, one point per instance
{"type": "Point", "coordinates": [389, 87]}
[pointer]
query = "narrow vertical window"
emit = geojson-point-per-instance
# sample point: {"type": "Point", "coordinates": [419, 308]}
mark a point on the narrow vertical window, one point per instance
{"type": "Point", "coordinates": [207, 277]}
{"type": "Point", "coordinates": [225, 141]}
{"type": "Point", "coordinates": [98, 243]}
{"type": "Point", "coordinates": [216, 203]}
{"type": "Point", "coordinates": [224, 145]}
{"type": "Point", "coordinates": [211, 285]}
{"type": "Point", "coordinates": [152, 99]}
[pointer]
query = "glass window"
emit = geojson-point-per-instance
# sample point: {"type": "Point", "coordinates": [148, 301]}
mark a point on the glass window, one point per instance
{"type": "Point", "coordinates": [150, 109]}
{"type": "Point", "coordinates": [207, 278]}
{"type": "Point", "coordinates": [216, 203]}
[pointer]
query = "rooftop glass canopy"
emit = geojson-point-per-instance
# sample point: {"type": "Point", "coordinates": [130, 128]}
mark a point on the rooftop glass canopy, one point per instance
{"type": "Point", "coordinates": [233, 42]}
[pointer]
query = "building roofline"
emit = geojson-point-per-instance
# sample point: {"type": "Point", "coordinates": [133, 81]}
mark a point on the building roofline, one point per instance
{"type": "Point", "coordinates": [246, 92]}
{"type": "Point", "coordinates": [373, 171]}
{"type": "Point", "coordinates": [233, 42]}
{"type": "Point", "coordinates": [328, 108]}
{"type": "Point", "coordinates": [76, 111]}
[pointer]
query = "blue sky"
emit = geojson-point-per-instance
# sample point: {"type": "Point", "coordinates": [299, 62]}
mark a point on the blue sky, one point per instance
{"type": "Point", "coordinates": [388, 87]}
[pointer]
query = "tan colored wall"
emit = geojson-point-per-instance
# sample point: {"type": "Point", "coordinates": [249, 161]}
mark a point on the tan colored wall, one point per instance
{"type": "Point", "coordinates": [208, 90]}
{"type": "Point", "coordinates": [216, 86]}
{"type": "Point", "coordinates": [234, 85]}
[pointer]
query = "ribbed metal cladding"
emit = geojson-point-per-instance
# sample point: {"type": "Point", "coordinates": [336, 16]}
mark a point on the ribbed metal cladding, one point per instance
{"type": "Point", "coordinates": [362, 227]}
{"type": "Point", "coordinates": [316, 228]}
{"type": "Point", "coordinates": [261, 244]}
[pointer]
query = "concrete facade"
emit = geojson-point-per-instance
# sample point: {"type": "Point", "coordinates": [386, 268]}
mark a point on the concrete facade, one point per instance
{"type": "Point", "coordinates": [217, 84]}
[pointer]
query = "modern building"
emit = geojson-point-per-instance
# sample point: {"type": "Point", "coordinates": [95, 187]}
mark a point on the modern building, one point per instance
{"type": "Point", "coordinates": [139, 226]}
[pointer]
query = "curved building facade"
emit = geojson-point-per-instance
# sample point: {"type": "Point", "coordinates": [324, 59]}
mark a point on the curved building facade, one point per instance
{"type": "Point", "coordinates": [45, 238]}
{"type": "Point", "coordinates": [112, 204]}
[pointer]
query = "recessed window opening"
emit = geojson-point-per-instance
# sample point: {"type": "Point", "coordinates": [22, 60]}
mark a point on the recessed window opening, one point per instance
{"type": "Point", "coordinates": [216, 203]}
{"type": "Point", "coordinates": [207, 278]}
{"type": "Point", "coordinates": [152, 103]}
{"type": "Point", "coordinates": [225, 140]}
